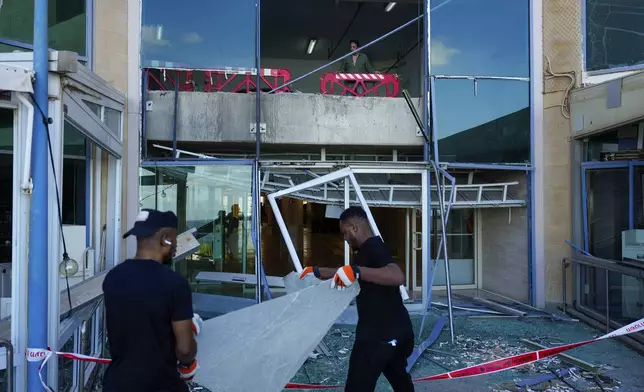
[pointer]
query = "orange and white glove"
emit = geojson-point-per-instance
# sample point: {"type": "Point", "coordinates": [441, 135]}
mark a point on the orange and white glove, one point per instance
{"type": "Point", "coordinates": [187, 372]}
{"type": "Point", "coordinates": [345, 277]}
{"type": "Point", "coordinates": [310, 271]}
{"type": "Point", "coordinates": [197, 324]}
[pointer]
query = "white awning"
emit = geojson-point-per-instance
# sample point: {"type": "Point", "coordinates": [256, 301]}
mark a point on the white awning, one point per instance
{"type": "Point", "coordinates": [15, 79]}
{"type": "Point", "coordinates": [607, 105]}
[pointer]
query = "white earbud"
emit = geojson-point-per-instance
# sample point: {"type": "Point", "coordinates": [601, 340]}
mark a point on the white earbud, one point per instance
{"type": "Point", "coordinates": [167, 242]}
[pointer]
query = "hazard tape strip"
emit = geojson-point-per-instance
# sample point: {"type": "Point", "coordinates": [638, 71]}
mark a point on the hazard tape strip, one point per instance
{"type": "Point", "coordinates": [498, 365]}
{"type": "Point", "coordinates": [502, 364]}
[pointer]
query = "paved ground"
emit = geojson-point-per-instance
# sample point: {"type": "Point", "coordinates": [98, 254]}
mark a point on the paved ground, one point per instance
{"type": "Point", "coordinates": [479, 341]}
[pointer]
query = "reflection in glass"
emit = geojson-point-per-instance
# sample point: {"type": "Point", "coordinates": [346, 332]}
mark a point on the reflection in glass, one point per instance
{"type": "Point", "coordinates": [480, 37]}
{"type": "Point", "coordinates": [67, 23]}
{"type": "Point", "coordinates": [198, 34]}
{"type": "Point", "coordinates": [608, 145]}
{"type": "Point", "coordinates": [216, 201]}
{"type": "Point", "coordinates": [625, 296]}
{"type": "Point", "coordinates": [613, 34]}
{"type": "Point", "coordinates": [607, 195]}
{"type": "Point", "coordinates": [638, 194]}
{"type": "Point", "coordinates": [113, 121]}
{"type": "Point", "coordinates": [486, 123]}
{"type": "Point", "coordinates": [285, 45]}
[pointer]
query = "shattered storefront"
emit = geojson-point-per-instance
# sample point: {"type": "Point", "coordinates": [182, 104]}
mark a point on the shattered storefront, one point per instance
{"type": "Point", "coordinates": [84, 152]}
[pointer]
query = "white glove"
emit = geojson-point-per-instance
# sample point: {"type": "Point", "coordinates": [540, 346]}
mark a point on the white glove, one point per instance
{"type": "Point", "coordinates": [197, 324]}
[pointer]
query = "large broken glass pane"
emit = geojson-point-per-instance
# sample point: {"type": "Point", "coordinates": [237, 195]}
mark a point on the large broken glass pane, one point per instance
{"type": "Point", "coordinates": [260, 348]}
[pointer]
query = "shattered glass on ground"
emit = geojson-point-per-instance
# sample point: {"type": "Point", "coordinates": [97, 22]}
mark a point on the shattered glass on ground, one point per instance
{"type": "Point", "coordinates": [479, 341]}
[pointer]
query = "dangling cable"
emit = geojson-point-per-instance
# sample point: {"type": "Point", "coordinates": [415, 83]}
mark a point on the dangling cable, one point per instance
{"type": "Point", "coordinates": [47, 120]}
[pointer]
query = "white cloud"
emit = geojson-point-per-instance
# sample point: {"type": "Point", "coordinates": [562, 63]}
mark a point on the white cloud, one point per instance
{"type": "Point", "coordinates": [192, 38]}
{"type": "Point", "coordinates": [441, 53]}
{"type": "Point", "coordinates": [153, 35]}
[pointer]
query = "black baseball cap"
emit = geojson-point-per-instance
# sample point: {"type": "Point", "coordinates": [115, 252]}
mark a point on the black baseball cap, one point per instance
{"type": "Point", "coordinates": [149, 222]}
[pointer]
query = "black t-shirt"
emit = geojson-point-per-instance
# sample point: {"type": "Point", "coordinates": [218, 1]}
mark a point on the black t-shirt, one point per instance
{"type": "Point", "coordinates": [142, 299]}
{"type": "Point", "coordinates": [382, 316]}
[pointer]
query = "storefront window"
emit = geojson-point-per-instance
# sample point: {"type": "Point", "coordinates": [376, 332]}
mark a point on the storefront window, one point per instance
{"type": "Point", "coordinates": [460, 246]}
{"type": "Point", "coordinates": [607, 199]}
{"type": "Point", "coordinates": [198, 34]}
{"type": "Point", "coordinates": [215, 201]}
{"type": "Point", "coordinates": [613, 34]}
{"type": "Point", "coordinates": [67, 24]}
{"type": "Point", "coordinates": [496, 128]}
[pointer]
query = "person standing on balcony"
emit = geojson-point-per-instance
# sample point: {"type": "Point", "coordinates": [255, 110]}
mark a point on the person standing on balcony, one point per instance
{"type": "Point", "coordinates": [384, 334]}
{"type": "Point", "coordinates": [357, 63]}
{"type": "Point", "coordinates": [151, 328]}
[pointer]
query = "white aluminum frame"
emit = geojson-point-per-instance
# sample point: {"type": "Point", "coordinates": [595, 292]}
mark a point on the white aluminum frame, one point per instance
{"type": "Point", "coordinates": [19, 253]}
{"type": "Point", "coordinates": [347, 174]}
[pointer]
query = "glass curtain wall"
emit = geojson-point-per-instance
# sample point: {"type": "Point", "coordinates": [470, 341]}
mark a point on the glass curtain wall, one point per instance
{"type": "Point", "coordinates": [612, 39]}
{"type": "Point", "coordinates": [67, 25]}
{"type": "Point", "coordinates": [488, 40]}
{"type": "Point", "coordinates": [215, 201]}
{"type": "Point", "coordinates": [612, 186]}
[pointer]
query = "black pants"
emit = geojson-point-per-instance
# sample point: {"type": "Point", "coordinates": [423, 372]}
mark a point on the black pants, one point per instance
{"type": "Point", "coordinates": [371, 359]}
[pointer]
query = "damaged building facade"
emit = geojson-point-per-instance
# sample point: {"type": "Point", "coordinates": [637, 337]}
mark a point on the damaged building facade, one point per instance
{"type": "Point", "coordinates": [513, 131]}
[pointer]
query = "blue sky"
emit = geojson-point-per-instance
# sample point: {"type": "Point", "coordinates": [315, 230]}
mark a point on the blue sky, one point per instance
{"type": "Point", "coordinates": [469, 37]}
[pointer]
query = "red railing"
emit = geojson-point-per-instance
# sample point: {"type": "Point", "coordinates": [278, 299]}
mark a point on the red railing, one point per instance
{"type": "Point", "coordinates": [370, 84]}
{"type": "Point", "coordinates": [233, 81]}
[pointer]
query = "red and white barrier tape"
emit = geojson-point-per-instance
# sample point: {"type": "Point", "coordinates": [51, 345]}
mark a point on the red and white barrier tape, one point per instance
{"type": "Point", "coordinates": [498, 365]}
{"type": "Point", "coordinates": [43, 355]}
{"type": "Point", "coordinates": [503, 363]}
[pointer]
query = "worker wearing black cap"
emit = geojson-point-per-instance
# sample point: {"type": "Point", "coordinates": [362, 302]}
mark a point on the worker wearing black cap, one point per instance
{"type": "Point", "coordinates": [151, 327]}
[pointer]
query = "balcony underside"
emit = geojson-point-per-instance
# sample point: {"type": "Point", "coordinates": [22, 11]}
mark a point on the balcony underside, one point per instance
{"type": "Point", "coordinates": [305, 119]}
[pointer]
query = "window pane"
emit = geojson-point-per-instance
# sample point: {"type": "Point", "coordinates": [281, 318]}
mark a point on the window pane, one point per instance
{"type": "Point", "coordinates": [73, 195]}
{"type": "Point", "coordinates": [6, 177]}
{"type": "Point", "coordinates": [614, 34]}
{"type": "Point", "coordinates": [496, 128]}
{"type": "Point", "coordinates": [607, 211]}
{"type": "Point", "coordinates": [67, 23]}
{"type": "Point", "coordinates": [198, 34]}
{"type": "Point", "coordinates": [113, 121]}
{"type": "Point", "coordinates": [66, 367]}
{"type": "Point", "coordinates": [214, 200]}
{"type": "Point", "coordinates": [480, 37]}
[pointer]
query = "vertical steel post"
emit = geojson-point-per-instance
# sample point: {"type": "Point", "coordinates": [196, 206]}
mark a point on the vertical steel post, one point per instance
{"type": "Point", "coordinates": [38, 271]}
{"type": "Point", "coordinates": [174, 117]}
{"type": "Point", "coordinates": [259, 268]}
{"type": "Point", "coordinates": [607, 302]}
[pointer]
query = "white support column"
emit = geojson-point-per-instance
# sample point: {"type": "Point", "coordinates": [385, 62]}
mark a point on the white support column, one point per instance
{"type": "Point", "coordinates": [131, 147]}
{"type": "Point", "coordinates": [55, 235]}
{"type": "Point", "coordinates": [536, 125]}
{"type": "Point", "coordinates": [347, 204]}
{"type": "Point", "coordinates": [407, 250]}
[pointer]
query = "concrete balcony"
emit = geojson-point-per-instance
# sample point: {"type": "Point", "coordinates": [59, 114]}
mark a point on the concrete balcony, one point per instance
{"type": "Point", "coordinates": [303, 119]}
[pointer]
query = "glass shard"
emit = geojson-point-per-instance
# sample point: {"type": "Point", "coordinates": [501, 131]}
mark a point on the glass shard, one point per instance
{"type": "Point", "coordinates": [261, 347]}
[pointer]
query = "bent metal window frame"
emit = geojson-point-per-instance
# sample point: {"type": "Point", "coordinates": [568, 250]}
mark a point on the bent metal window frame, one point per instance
{"type": "Point", "coordinates": [337, 175]}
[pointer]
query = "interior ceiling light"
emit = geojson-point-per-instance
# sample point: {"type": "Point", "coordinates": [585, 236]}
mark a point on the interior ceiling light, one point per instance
{"type": "Point", "coordinates": [390, 6]}
{"type": "Point", "coordinates": [311, 46]}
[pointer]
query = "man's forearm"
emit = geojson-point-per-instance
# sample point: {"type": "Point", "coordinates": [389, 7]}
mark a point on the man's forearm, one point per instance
{"type": "Point", "coordinates": [188, 356]}
{"type": "Point", "coordinates": [390, 275]}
